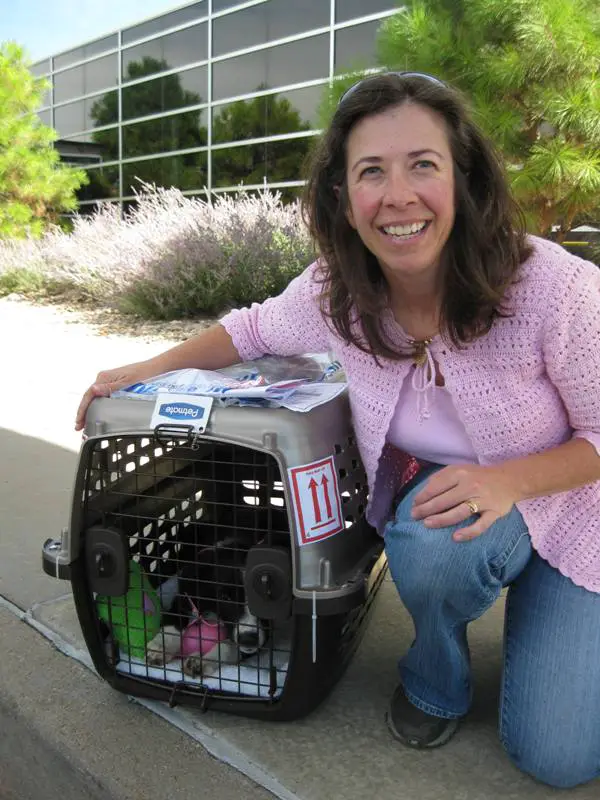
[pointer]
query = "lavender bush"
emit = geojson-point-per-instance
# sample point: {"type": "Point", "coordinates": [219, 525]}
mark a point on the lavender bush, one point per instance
{"type": "Point", "coordinates": [172, 256]}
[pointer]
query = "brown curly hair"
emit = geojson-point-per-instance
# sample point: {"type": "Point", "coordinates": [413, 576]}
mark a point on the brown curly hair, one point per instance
{"type": "Point", "coordinates": [486, 246]}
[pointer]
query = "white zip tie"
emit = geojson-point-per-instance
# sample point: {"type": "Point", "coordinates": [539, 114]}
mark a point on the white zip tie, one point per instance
{"type": "Point", "coordinates": [314, 627]}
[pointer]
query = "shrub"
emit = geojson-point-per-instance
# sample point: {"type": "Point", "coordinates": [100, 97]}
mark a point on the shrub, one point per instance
{"type": "Point", "coordinates": [174, 256]}
{"type": "Point", "coordinates": [236, 250]}
{"type": "Point", "coordinates": [21, 281]}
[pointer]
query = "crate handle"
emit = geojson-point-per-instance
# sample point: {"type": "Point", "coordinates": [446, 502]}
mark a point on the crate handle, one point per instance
{"type": "Point", "coordinates": [164, 432]}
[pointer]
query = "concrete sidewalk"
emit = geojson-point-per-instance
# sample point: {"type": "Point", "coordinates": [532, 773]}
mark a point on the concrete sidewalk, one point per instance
{"type": "Point", "coordinates": [66, 734]}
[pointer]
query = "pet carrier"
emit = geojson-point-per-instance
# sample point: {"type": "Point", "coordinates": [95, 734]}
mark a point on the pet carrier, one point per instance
{"type": "Point", "coordinates": [232, 569]}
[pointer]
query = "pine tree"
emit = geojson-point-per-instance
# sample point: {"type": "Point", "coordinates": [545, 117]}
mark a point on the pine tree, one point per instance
{"type": "Point", "coordinates": [34, 187]}
{"type": "Point", "coordinates": [531, 71]}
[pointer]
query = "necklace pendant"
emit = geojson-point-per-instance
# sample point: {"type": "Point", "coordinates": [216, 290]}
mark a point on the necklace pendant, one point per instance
{"type": "Point", "coordinates": [420, 352]}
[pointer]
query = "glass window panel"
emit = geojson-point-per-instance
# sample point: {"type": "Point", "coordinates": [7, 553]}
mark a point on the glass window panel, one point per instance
{"type": "Point", "coordinates": [246, 119]}
{"type": "Point", "coordinates": [86, 51]}
{"type": "Point", "coordinates": [64, 59]}
{"type": "Point", "coordinates": [181, 89]}
{"type": "Point", "coordinates": [239, 75]}
{"type": "Point", "coordinates": [266, 115]}
{"type": "Point", "coordinates": [305, 60]}
{"type": "Point", "coordinates": [70, 118]}
{"type": "Point", "coordinates": [273, 20]}
{"type": "Point", "coordinates": [235, 165]}
{"type": "Point", "coordinates": [174, 50]}
{"type": "Point", "coordinates": [242, 29]}
{"type": "Point", "coordinates": [295, 62]}
{"type": "Point", "coordinates": [194, 82]}
{"type": "Point", "coordinates": [104, 184]}
{"type": "Point", "coordinates": [92, 148]}
{"type": "Point", "coordinates": [162, 23]}
{"type": "Point", "coordinates": [45, 117]}
{"type": "Point", "coordinates": [284, 160]}
{"type": "Point", "coordinates": [351, 9]}
{"type": "Point", "coordinates": [105, 144]}
{"type": "Point", "coordinates": [69, 84]}
{"type": "Point", "coordinates": [88, 78]}
{"type": "Point", "coordinates": [305, 103]}
{"type": "Point", "coordinates": [184, 171]}
{"type": "Point", "coordinates": [101, 110]}
{"type": "Point", "coordinates": [102, 73]}
{"type": "Point", "coordinates": [286, 19]}
{"type": "Point", "coordinates": [92, 112]}
{"type": "Point", "coordinates": [177, 132]}
{"type": "Point", "coordinates": [40, 68]}
{"type": "Point", "coordinates": [355, 47]}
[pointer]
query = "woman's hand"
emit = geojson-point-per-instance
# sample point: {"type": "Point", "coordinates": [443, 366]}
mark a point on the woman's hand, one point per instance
{"type": "Point", "coordinates": [444, 499]}
{"type": "Point", "coordinates": [110, 381]}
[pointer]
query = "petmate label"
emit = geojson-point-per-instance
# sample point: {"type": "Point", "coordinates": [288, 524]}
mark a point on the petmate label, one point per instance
{"type": "Point", "coordinates": [316, 499]}
{"type": "Point", "coordinates": [181, 409]}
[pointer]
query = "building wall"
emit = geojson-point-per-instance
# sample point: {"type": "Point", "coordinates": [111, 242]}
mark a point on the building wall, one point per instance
{"type": "Point", "coordinates": [206, 96]}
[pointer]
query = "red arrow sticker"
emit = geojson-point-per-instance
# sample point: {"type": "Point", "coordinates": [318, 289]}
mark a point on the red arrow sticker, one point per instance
{"type": "Point", "coordinates": [317, 501]}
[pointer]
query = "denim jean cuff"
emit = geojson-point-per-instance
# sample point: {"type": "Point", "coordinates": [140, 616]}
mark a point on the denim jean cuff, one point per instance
{"type": "Point", "coordinates": [429, 709]}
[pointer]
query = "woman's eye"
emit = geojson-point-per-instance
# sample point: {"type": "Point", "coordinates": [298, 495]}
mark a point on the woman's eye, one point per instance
{"type": "Point", "coordinates": [370, 171]}
{"type": "Point", "coordinates": [424, 164]}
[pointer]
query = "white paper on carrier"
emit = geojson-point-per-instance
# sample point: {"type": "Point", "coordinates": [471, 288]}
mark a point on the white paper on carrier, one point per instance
{"type": "Point", "coordinates": [250, 389]}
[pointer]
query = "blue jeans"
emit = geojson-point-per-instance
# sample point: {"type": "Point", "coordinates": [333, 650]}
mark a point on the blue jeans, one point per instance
{"type": "Point", "coordinates": [550, 698]}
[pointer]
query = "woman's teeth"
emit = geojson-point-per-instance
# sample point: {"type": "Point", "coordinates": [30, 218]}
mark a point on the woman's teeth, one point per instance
{"type": "Point", "coordinates": [404, 230]}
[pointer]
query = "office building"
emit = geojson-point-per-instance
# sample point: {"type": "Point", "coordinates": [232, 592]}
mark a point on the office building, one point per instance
{"type": "Point", "coordinates": [207, 96]}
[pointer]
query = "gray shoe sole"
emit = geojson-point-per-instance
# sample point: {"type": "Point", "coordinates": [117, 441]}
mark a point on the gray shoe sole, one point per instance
{"type": "Point", "coordinates": [445, 736]}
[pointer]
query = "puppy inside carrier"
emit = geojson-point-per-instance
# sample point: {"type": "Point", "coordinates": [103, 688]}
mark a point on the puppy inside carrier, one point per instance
{"type": "Point", "coordinates": [232, 569]}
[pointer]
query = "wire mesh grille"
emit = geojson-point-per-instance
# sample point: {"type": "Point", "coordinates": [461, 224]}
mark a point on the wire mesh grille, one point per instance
{"type": "Point", "coordinates": [190, 518]}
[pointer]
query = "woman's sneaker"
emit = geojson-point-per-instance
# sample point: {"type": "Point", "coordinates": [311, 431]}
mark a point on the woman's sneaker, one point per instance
{"type": "Point", "coordinates": [415, 728]}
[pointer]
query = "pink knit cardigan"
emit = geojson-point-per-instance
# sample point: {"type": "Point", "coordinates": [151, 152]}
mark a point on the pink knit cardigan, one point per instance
{"type": "Point", "coordinates": [530, 384]}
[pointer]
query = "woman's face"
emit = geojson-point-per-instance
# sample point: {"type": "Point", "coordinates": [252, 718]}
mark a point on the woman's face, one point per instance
{"type": "Point", "coordinates": [401, 190]}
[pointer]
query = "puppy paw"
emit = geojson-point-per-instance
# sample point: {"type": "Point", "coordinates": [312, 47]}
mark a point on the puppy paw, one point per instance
{"type": "Point", "coordinates": [163, 648]}
{"type": "Point", "coordinates": [200, 667]}
{"type": "Point", "coordinates": [156, 656]}
{"type": "Point", "coordinates": [192, 666]}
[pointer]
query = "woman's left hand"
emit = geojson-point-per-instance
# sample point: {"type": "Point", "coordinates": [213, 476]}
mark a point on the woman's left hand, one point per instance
{"type": "Point", "coordinates": [444, 500]}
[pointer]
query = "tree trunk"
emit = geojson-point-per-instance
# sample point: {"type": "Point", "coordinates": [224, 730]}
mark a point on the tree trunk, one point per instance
{"type": "Point", "coordinates": [547, 217]}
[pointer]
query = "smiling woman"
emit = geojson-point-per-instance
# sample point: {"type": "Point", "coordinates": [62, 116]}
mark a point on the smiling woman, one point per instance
{"type": "Point", "coordinates": [469, 350]}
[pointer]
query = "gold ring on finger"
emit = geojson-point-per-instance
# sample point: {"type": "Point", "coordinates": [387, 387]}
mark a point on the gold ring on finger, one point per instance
{"type": "Point", "coordinates": [474, 508]}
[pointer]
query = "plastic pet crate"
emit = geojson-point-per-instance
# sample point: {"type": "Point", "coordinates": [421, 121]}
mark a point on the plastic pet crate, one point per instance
{"type": "Point", "coordinates": [232, 569]}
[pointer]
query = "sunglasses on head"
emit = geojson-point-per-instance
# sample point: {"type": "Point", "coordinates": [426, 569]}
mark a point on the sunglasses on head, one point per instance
{"type": "Point", "coordinates": [355, 86]}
